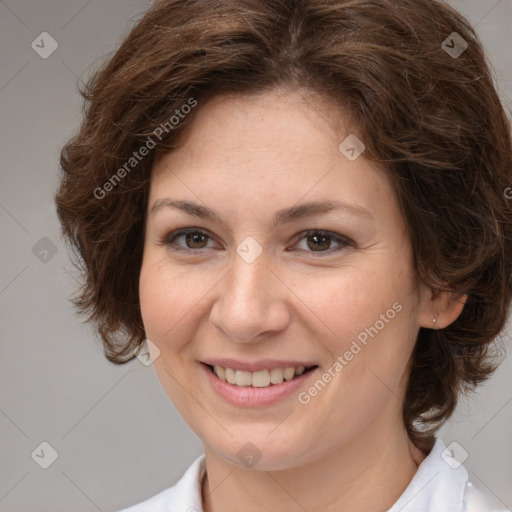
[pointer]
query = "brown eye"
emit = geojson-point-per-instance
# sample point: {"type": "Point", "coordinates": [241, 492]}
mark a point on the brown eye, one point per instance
{"type": "Point", "coordinates": [194, 239]}
{"type": "Point", "coordinates": [319, 242]}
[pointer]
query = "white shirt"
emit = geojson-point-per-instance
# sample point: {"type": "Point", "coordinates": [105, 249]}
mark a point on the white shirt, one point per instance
{"type": "Point", "coordinates": [436, 487]}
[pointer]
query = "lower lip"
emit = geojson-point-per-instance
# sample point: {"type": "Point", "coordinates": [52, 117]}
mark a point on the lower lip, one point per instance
{"type": "Point", "coordinates": [248, 396]}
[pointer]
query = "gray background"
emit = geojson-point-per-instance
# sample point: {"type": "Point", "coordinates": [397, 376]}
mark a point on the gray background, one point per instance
{"type": "Point", "coordinates": [118, 437]}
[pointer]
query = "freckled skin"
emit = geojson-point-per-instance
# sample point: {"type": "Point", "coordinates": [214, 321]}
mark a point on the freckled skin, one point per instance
{"type": "Point", "coordinates": [246, 158]}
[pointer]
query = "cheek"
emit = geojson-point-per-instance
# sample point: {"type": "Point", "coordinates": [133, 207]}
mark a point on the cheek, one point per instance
{"type": "Point", "coordinates": [369, 313]}
{"type": "Point", "coordinates": [353, 299]}
{"type": "Point", "coordinates": [151, 294]}
{"type": "Point", "coordinates": [379, 331]}
{"type": "Point", "coordinates": [167, 302]}
{"type": "Point", "coordinates": [165, 299]}
{"type": "Point", "coordinates": [173, 302]}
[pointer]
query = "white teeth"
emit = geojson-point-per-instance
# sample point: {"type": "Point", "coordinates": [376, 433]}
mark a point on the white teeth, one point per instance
{"type": "Point", "coordinates": [289, 373]}
{"type": "Point", "coordinates": [220, 371]}
{"type": "Point", "coordinates": [230, 375]}
{"type": "Point", "coordinates": [276, 375]}
{"type": "Point", "coordinates": [300, 370]}
{"type": "Point", "coordinates": [243, 378]}
{"type": "Point", "coordinates": [260, 379]}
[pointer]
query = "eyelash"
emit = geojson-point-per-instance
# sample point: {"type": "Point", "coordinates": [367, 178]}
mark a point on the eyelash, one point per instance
{"type": "Point", "coordinates": [343, 241]}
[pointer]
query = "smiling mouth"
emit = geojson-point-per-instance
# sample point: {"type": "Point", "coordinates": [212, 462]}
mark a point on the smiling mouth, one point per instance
{"type": "Point", "coordinates": [260, 379]}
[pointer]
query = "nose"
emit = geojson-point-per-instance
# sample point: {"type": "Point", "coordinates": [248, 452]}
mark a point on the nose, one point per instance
{"type": "Point", "coordinates": [251, 304]}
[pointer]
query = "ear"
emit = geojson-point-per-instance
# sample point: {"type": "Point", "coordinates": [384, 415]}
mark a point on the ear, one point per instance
{"type": "Point", "coordinates": [438, 309]}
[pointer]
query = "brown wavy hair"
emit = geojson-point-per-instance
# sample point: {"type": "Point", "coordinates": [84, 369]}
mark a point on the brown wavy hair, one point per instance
{"type": "Point", "coordinates": [433, 120]}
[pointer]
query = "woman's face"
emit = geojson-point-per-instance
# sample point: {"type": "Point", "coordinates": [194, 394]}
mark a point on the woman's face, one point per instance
{"type": "Point", "coordinates": [256, 288]}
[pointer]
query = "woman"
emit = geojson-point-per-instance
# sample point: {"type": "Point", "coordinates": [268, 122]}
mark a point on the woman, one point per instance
{"type": "Point", "coordinates": [298, 207]}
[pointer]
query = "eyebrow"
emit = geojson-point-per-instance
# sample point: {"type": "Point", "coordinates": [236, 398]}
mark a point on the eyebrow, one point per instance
{"type": "Point", "coordinates": [286, 215]}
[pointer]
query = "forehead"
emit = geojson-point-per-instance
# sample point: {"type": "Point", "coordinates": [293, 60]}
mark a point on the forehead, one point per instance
{"type": "Point", "coordinates": [280, 144]}
{"type": "Point", "coordinates": [273, 119]}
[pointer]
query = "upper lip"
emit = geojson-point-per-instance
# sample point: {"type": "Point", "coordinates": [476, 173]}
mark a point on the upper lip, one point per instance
{"type": "Point", "coordinates": [256, 366]}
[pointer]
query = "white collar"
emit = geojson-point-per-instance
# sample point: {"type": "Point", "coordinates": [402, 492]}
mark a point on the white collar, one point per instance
{"type": "Point", "coordinates": [435, 487]}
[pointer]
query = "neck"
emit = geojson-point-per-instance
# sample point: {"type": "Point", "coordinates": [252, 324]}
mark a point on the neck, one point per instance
{"type": "Point", "coordinates": [368, 473]}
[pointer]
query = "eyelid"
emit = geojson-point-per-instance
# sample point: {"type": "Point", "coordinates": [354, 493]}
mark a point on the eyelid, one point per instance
{"type": "Point", "coordinates": [342, 240]}
{"type": "Point", "coordinates": [170, 237]}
